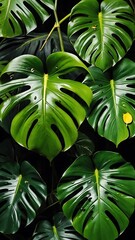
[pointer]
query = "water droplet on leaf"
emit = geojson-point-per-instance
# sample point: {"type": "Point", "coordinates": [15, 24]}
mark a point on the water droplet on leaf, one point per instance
{"type": "Point", "coordinates": [32, 70]}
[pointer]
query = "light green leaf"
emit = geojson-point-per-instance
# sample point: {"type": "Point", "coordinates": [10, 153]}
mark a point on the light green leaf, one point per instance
{"type": "Point", "coordinates": [98, 195]}
{"type": "Point", "coordinates": [17, 17]}
{"type": "Point", "coordinates": [50, 105]}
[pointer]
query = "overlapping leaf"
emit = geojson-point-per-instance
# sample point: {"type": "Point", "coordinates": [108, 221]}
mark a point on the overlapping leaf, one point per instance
{"type": "Point", "coordinates": [61, 229]}
{"type": "Point", "coordinates": [21, 193]}
{"type": "Point", "coordinates": [112, 98]}
{"type": "Point", "coordinates": [17, 16]}
{"type": "Point", "coordinates": [103, 32]}
{"type": "Point", "coordinates": [51, 107]}
{"type": "Point", "coordinates": [98, 195]}
{"type": "Point", "coordinates": [32, 44]}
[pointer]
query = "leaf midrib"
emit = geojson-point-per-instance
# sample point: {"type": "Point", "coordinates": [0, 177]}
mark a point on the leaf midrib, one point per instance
{"type": "Point", "coordinates": [44, 95]}
{"type": "Point", "coordinates": [7, 9]}
{"type": "Point", "coordinates": [17, 188]}
{"type": "Point", "coordinates": [100, 18]}
{"type": "Point", "coordinates": [56, 232]}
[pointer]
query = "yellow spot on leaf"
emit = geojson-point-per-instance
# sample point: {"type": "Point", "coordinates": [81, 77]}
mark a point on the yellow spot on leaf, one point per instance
{"type": "Point", "coordinates": [94, 27]}
{"type": "Point", "coordinates": [127, 118]}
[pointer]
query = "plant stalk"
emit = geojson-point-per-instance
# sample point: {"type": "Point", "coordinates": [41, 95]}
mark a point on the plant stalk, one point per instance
{"type": "Point", "coordinates": [58, 27]}
{"type": "Point", "coordinates": [53, 28]}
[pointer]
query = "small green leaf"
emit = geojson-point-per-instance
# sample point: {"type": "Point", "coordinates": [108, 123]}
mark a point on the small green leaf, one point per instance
{"type": "Point", "coordinates": [83, 145]}
{"type": "Point", "coordinates": [60, 229]}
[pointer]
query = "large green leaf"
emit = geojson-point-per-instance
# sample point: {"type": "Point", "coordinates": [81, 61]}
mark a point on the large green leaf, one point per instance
{"type": "Point", "coordinates": [112, 98]}
{"type": "Point", "coordinates": [60, 229]}
{"type": "Point", "coordinates": [17, 16]}
{"type": "Point", "coordinates": [98, 195]}
{"type": "Point", "coordinates": [104, 32]}
{"type": "Point", "coordinates": [21, 193]}
{"type": "Point", "coordinates": [52, 106]}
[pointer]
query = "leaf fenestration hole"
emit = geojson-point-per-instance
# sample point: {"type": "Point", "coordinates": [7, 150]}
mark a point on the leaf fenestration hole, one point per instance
{"type": "Point", "coordinates": [59, 135]}
{"type": "Point", "coordinates": [112, 218]}
{"type": "Point", "coordinates": [75, 96]}
{"type": "Point", "coordinates": [73, 194]}
{"type": "Point", "coordinates": [68, 112]}
{"type": "Point", "coordinates": [117, 165]}
{"type": "Point", "coordinates": [30, 130]}
{"type": "Point", "coordinates": [18, 19]}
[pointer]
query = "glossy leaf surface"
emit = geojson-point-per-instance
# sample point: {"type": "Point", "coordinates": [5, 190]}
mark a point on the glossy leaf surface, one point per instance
{"type": "Point", "coordinates": [103, 32]}
{"type": "Point", "coordinates": [112, 98]}
{"type": "Point", "coordinates": [51, 107]}
{"type": "Point", "coordinates": [17, 17]}
{"type": "Point", "coordinates": [32, 44]}
{"type": "Point", "coordinates": [21, 193]}
{"type": "Point", "coordinates": [60, 229]}
{"type": "Point", "coordinates": [98, 195]}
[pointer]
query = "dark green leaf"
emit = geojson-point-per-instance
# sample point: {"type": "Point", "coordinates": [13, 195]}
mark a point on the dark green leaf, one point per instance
{"type": "Point", "coordinates": [21, 193]}
{"type": "Point", "coordinates": [112, 98]}
{"type": "Point", "coordinates": [61, 229]}
{"type": "Point", "coordinates": [98, 195]}
{"type": "Point", "coordinates": [31, 44]}
{"type": "Point", "coordinates": [104, 32]}
{"type": "Point", "coordinates": [84, 145]}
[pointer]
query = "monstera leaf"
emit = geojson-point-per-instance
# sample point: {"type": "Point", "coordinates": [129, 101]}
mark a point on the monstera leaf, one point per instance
{"type": "Point", "coordinates": [112, 111]}
{"type": "Point", "coordinates": [17, 17]}
{"type": "Point", "coordinates": [32, 44]}
{"type": "Point", "coordinates": [60, 230]}
{"type": "Point", "coordinates": [51, 107]}
{"type": "Point", "coordinates": [98, 195]}
{"type": "Point", "coordinates": [21, 193]}
{"type": "Point", "coordinates": [101, 33]}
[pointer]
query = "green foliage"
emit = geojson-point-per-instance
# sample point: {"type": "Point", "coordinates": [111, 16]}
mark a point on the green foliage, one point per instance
{"type": "Point", "coordinates": [17, 16]}
{"type": "Point", "coordinates": [45, 99]}
{"type": "Point", "coordinates": [103, 33]}
{"type": "Point", "coordinates": [112, 98]}
{"type": "Point", "coordinates": [61, 229]}
{"type": "Point", "coordinates": [22, 192]}
{"type": "Point", "coordinates": [96, 191]}
{"type": "Point", "coordinates": [67, 121]}
{"type": "Point", "coordinates": [31, 44]}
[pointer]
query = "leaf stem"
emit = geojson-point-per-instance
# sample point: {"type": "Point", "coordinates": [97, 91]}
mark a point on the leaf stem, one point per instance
{"type": "Point", "coordinates": [53, 28]}
{"type": "Point", "coordinates": [58, 27]}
